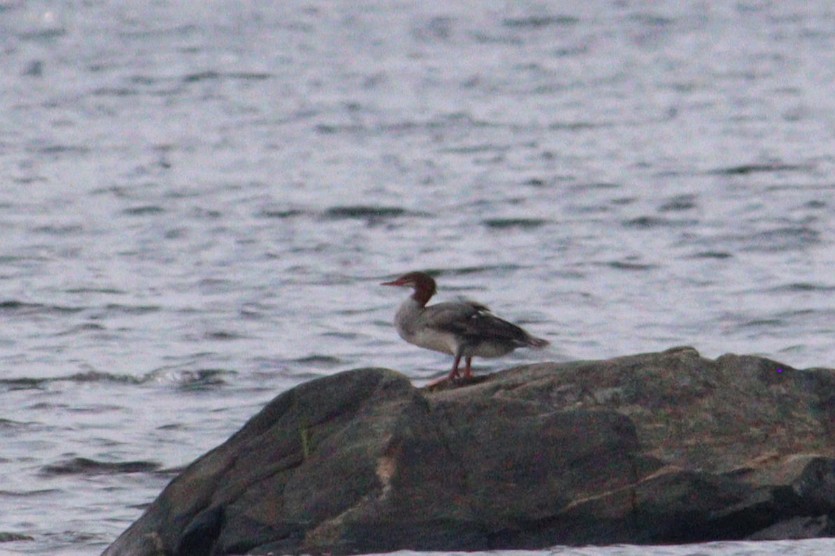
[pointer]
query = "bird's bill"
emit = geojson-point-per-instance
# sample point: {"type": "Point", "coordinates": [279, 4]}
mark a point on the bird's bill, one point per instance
{"type": "Point", "coordinates": [393, 283]}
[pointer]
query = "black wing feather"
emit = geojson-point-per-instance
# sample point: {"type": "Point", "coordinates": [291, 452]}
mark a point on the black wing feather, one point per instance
{"type": "Point", "coordinates": [475, 324]}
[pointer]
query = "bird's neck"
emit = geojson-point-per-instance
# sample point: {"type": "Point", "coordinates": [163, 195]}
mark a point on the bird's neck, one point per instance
{"type": "Point", "coordinates": [407, 316]}
{"type": "Point", "coordinates": [422, 294]}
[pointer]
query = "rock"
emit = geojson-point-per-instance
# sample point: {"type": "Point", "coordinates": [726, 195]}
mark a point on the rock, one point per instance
{"type": "Point", "coordinates": [798, 528]}
{"type": "Point", "coordinates": [652, 448]}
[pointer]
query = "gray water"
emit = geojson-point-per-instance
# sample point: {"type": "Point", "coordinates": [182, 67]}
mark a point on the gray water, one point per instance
{"type": "Point", "coordinates": [199, 199]}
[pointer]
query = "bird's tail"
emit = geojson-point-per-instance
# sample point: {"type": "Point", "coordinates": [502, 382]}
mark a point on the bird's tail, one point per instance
{"type": "Point", "coordinates": [538, 343]}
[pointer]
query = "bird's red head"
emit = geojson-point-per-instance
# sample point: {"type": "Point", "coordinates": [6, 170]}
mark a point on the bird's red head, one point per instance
{"type": "Point", "coordinates": [423, 284]}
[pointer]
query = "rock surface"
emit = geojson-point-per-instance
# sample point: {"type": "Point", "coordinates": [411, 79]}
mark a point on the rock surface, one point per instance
{"type": "Point", "coordinates": [653, 448]}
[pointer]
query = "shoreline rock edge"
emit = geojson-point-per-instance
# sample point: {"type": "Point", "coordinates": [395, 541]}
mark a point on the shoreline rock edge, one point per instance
{"type": "Point", "coordinates": [665, 447]}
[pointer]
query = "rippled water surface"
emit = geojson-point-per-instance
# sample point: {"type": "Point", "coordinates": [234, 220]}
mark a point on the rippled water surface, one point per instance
{"type": "Point", "coordinates": [198, 200]}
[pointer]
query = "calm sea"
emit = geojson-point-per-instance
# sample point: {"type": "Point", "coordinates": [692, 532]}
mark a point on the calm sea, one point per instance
{"type": "Point", "coordinates": [198, 200]}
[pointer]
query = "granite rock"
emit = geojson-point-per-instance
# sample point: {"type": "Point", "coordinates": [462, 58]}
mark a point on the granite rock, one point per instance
{"type": "Point", "coordinates": [650, 448]}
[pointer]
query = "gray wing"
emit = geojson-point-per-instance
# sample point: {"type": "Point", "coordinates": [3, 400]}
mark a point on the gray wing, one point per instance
{"type": "Point", "coordinates": [474, 323]}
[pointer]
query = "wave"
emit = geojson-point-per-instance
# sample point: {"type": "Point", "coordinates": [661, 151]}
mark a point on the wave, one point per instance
{"type": "Point", "coordinates": [15, 307]}
{"type": "Point", "coordinates": [188, 379]}
{"type": "Point", "coordinates": [745, 169]}
{"type": "Point", "coordinates": [505, 223]}
{"type": "Point", "coordinates": [86, 466]}
{"type": "Point", "coordinates": [28, 493]}
{"type": "Point", "coordinates": [364, 212]}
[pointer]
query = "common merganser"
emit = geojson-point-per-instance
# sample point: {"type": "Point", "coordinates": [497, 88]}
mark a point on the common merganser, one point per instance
{"type": "Point", "coordinates": [463, 329]}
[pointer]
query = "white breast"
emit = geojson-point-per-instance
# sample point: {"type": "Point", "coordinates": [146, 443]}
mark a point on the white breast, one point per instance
{"type": "Point", "coordinates": [409, 326]}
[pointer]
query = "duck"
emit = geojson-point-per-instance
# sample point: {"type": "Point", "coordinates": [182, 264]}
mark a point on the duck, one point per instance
{"type": "Point", "coordinates": [463, 329]}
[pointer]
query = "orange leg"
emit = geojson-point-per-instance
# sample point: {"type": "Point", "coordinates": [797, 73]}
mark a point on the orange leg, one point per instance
{"type": "Point", "coordinates": [453, 374]}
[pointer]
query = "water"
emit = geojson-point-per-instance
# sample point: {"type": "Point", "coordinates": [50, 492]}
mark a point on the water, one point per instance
{"type": "Point", "coordinates": [197, 201]}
